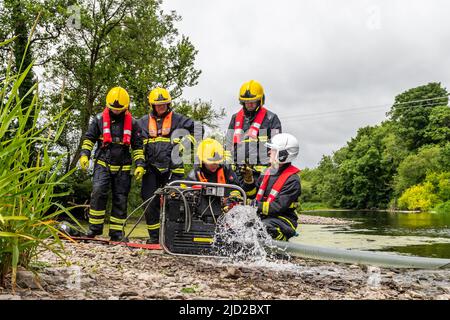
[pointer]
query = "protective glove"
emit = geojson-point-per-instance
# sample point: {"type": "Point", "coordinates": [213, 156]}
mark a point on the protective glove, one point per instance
{"type": "Point", "coordinates": [248, 175]}
{"type": "Point", "coordinates": [139, 173]}
{"type": "Point", "coordinates": [84, 163]}
{"type": "Point", "coordinates": [252, 202]}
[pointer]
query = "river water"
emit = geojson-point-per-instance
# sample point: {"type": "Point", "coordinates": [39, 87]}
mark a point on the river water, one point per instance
{"type": "Point", "coordinates": [420, 234]}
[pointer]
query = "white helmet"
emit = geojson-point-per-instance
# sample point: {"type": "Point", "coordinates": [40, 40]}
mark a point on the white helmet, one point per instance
{"type": "Point", "coordinates": [286, 145]}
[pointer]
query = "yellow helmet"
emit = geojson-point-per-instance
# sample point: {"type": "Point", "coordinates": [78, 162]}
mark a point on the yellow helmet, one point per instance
{"type": "Point", "coordinates": [210, 151]}
{"type": "Point", "coordinates": [117, 99]}
{"type": "Point", "coordinates": [252, 91]}
{"type": "Point", "coordinates": [159, 96]}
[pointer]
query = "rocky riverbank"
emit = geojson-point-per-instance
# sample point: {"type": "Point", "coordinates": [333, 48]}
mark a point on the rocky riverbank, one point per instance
{"type": "Point", "coordinates": [318, 220]}
{"type": "Point", "coordinates": [115, 272]}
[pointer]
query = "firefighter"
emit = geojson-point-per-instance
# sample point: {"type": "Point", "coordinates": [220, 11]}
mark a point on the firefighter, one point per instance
{"type": "Point", "coordinates": [278, 189]}
{"type": "Point", "coordinates": [114, 131]}
{"type": "Point", "coordinates": [157, 130]}
{"type": "Point", "coordinates": [211, 168]}
{"type": "Point", "coordinates": [250, 129]}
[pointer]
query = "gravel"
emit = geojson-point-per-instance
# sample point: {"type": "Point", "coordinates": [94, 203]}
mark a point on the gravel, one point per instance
{"type": "Point", "coordinates": [105, 272]}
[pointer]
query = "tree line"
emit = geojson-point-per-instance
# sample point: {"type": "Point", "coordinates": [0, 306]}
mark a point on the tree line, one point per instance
{"type": "Point", "coordinates": [403, 163]}
{"type": "Point", "coordinates": [81, 49]}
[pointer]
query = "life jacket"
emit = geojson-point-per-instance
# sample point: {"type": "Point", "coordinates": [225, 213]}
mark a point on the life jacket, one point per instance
{"type": "Point", "coordinates": [220, 176]}
{"type": "Point", "coordinates": [127, 127]}
{"type": "Point", "coordinates": [254, 128]}
{"type": "Point", "coordinates": [278, 185]}
{"type": "Point", "coordinates": [166, 127]}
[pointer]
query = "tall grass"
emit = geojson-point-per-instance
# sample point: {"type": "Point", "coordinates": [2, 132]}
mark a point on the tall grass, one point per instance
{"type": "Point", "coordinates": [28, 200]}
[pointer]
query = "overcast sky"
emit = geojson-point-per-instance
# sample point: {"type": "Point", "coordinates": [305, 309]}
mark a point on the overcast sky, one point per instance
{"type": "Point", "coordinates": [315, 58]}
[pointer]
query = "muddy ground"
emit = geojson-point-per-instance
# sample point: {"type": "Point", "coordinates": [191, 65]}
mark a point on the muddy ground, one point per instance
{"type": "Point", "coordinates": [116, 272]}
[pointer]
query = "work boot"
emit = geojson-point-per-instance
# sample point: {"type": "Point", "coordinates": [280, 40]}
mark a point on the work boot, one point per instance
{"type": "Point", "coordinates": [92, 233]}
{"type": "Point", "coordinates": [152, 240]}
{"type": "Point", "coordinates": [118, 237]}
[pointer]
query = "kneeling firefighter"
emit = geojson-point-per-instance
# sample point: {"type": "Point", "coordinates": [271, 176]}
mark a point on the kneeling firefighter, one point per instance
{"type": "Point", "coordinates": [210, 154]}
{"type": "Point", "coordinates": [114, 131]}
{"type": "Point", "coordinates": [279, 188]}
{"type": "Point", "coordinates": [157, 129]}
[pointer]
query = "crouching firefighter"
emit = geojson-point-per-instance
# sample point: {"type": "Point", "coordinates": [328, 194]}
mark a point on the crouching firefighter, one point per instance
{"type": "Point", "coordinates": [211, 168]}
{"type": "Point", "coordinates": [157, 129]}
{"type": "Point", "coordinates": [278, 189]}
{"type": "Point", "coordinates": [250, 129]}
{"type": "Point", "coordinates": [114, 131]}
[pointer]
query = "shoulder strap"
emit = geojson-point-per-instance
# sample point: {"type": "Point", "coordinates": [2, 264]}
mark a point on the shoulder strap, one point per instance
{"type": "Point", "coordinates": [291, 170]}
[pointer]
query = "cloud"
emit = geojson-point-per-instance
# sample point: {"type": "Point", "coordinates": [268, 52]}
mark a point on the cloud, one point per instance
{"type": "Point", "coordinates": [315, 57]}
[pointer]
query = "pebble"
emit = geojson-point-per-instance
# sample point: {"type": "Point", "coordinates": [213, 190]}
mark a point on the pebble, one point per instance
{"type": "Point", "coordinates": [10, 297]}
{"type": "Point", "coordinates": [155, 276]}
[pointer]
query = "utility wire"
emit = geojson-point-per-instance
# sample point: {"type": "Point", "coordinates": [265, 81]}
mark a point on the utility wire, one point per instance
{"type": "Point", "coordinates": [397, 105]}
{"type": "Point", "coordinates": [325, 115]}
{"type": "Point", "coordinates": [361, 110]}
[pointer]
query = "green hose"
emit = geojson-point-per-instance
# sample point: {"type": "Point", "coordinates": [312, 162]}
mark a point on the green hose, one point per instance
{"type": "Point", "coordinates": [360, 257]}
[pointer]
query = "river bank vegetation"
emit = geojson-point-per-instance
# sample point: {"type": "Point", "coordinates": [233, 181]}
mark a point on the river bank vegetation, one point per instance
{"type": "Point", "coordinates": [403, 163]}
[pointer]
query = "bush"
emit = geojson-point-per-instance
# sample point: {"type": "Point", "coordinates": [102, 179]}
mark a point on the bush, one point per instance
{"type": "Point", "coordinates": [420, 197]}
{"type": "Point", "coordinates": [29, 174]}
{"type": "Point", "coordinates": [443, 208]}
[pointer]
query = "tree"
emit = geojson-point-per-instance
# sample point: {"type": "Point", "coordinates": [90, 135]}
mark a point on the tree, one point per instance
{"type": "Point", "coordinates": [200, 111]}
{"type": "Point", "coordinates": [438, 128]}
{"type": "Point", "coordinates": [34, 26]}
{"type": "Point", "coordinates": [128, 43]}
{"type": "Point", "coordinates": [414, 169]}
{"type": "Point", "coordinates": [411, 113]}
{"type": "Point", "coordinates": [420, 197]}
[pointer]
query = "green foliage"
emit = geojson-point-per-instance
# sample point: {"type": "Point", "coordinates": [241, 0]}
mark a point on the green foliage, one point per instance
{"type": "Point", "coordinates": [415, 167]}
{"type": "Point", "coordinates": [434, 192]}
{"type": "Point", "coordinates": [438, 129]}
{"type": "Point", "coordinates": [200, 111]}
{"type": "Point", "coordinates": [421, 197]}
{"type": "Point", "coordinates": [443, 208]}
{"type": "Point", "coordinates": [383, 162]}
{"type": "Point", "coordinates": [412, 119]}
{"type": "Point", "coordinates": [441, 183]}
{"type": "Point", "coordinates": [28, 193]}
{"type": "Point", "coordinates": [305, 206]}
{"type": "Point", "coordinates": [131, 43]}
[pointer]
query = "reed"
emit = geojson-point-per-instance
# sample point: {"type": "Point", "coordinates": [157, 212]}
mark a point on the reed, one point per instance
{"type": "Point", "coordinates": [30, 172]}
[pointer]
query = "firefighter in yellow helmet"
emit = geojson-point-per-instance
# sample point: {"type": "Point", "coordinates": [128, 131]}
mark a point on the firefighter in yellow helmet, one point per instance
{"type": "Point", "coordinates": [114, 132]}
{"type": "Point", "coordinates": [162, 131]}
{"type": "Point", "coordinates": [249, 130]}
{"type": "Point", "coordinates": [211, 168]}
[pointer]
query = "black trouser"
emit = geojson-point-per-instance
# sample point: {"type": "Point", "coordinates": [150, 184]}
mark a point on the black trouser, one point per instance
{"type": "Point", "coordinates": [279, 229]}
{"type": "Point", "coordinates": [152, 181]}
{"type": "Point", "coordinates": [119, 182]}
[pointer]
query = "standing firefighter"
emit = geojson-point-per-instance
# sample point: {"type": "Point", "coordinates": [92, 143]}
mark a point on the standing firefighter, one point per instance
{"type": "Point", "coordinates": [250, 129]}
{"type": "Point", "coordinates": [161, 130]}
{"type": "Point", "coordinates": [278, 189]}
{"type": "Point", "coordinates": [114, 130]}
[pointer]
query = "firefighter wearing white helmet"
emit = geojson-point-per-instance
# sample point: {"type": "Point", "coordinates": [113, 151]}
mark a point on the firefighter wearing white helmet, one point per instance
{"type": "Point", "coordinates": [278, 189]}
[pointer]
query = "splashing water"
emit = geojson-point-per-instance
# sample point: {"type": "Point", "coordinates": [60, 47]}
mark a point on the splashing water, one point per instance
{"type": "Point", "coordinates": [243, 239]}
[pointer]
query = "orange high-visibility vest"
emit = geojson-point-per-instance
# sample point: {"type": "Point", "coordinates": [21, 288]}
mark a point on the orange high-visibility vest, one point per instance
{"type": "Point", "coordinates": [153, 127]}
{"type": "Point", "coordinates": [220, 176]}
